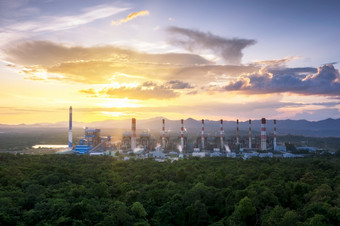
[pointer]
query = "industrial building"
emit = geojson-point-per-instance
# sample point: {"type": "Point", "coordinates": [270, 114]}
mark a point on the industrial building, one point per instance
{"type": "Point", "coordinates": [91, 143]}
{"type": "Point", "coordinates": [171, 143]}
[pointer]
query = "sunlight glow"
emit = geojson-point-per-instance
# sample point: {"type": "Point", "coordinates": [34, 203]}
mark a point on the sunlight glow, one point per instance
{"type": "Point", "coordinates": [120, 103]}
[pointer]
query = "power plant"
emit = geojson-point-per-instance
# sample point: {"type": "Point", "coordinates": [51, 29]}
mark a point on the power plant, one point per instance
{"type": "Point", "coordinates": [211, 142]}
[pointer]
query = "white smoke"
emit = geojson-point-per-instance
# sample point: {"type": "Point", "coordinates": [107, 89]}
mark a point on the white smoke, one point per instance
{"type": "Point", "coordinates": [179, 147]}
{"type": "Point", "coordinates": [227, 149]}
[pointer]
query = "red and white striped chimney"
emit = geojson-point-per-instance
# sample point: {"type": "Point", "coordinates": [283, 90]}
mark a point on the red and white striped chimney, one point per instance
{"type": "Point", "coordinates": [263, 134]}
{"type": "Point", "coordinates": [182, 137]}
{"type": "Point", "coordinates": [202, 135]}
{"type": "Point", "coordinates": [237, 133]}
{"type": "Point", "coordinates": [249, 133]}
{"type": "Point", "coordinates": [163, 134]}
{"type": "Point", "coordinates": [274, 142]}
{"type": "Point", "coordinates": [133, 136]}
{"type": "Point", "coordinates": [221, 135]}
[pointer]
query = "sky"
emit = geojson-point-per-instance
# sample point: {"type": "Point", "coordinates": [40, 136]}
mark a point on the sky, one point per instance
{"type": "Point", "coordinates": [213, 59]}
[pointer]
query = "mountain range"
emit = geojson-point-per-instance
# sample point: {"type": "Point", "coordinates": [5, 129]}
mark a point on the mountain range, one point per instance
{"type": "Point", "coordinates": [323, 128]}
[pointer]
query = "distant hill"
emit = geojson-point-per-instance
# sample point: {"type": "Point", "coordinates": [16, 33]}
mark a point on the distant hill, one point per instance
{"type": "Point", "coordinates": [324, 128]}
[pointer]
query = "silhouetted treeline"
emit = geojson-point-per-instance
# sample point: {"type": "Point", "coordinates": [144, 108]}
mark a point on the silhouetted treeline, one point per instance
{"type": "Point", "coordinates": [84, 190]}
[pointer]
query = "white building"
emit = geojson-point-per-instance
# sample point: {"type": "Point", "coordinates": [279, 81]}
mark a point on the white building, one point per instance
{"type": "Point", "coordinates": [250, 155]}
{"type": "Point", "coordinates": [266, 155]}
{"type": "Point", "coordinates": [231, 155]}
{"type": "Point", "coordinates": [198, 154]}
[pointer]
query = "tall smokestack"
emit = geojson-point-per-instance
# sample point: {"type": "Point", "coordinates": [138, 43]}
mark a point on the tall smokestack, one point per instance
{"type": "Point", "coordinates": [182, 138]}
{"type": "Point", "coordinates": [221, 135]}
{"type": "Point", "coordinates": [70, 145]}
{"type": "Point", "coordinates": [133, 136]}
{"type": "Point", "coordinates": [202, 134]}
{"type": "Point", "coordinates": [249, 133]}
{"type": "Point", "coordinates": [163, 134]}
{"type": "Point", "coordinates": [237, 133]}
{"type": "Point", "coordinates": [274, 142]}
{"type": "Point", "coordinates": [263, 134]}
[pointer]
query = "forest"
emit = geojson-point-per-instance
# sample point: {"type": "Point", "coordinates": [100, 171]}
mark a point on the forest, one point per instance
{"type": "Point", "coordinates": [99, 190]}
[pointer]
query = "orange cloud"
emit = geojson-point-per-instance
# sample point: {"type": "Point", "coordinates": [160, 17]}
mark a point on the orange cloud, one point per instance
{"type": "Point", "coordinates": [130, 17]}
{"type": "Point", "coordinates": [147, 90]}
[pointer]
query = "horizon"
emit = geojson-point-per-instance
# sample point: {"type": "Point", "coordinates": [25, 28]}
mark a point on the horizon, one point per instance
{"type": "Point", "coordinates": [160, 117]}
{"type": "Point", "coordinates": [114, 60]}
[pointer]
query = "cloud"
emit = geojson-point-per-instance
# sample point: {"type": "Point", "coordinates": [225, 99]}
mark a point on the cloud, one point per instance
{"type": "Point", "coordinates": [149, 84]}
{"type": "Point", "coordinates": [44, 60]}
{"type": "Point", "coordinates": [296, 72]}
{"type": "Point", "coordinates": [98, 64]}
{"type": "Point", "coordinates": [314, 115]}
{"type": "Point", "coordinates": [147, 90]}
{"type": "Point", "coordinates": [229, 49]}
{"type": "Point", "coordinates": [48, 53]}
{"type": "Point", "coordinates": [18, 21]}
{"type": "Point", "coordinates": [130, 17]}
{"type": "Point", "coordinates": [88, 91]}
{"type": "Point", "coordinates": [326, 82]}
{"type": "Point", "coordinates": [176, 84]}
{"type": "Point", "coordinates": [61, 22]}
{"type": "Point", "coordinates": [275, 62]}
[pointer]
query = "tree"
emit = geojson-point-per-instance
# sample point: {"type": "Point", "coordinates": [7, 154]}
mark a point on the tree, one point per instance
{"type": "Point", "coordinates": [273, 217]}
{"type": "Point", "coordinates": [244, 212]}
{"type": "Point", "coordinates": [138, 210]}
{"type": "Point", "coordinates": [318, 220]}
{"type": "Point", "coordinates": [197, 213]}
{"type": "Point", "coordinates": [290, 218]}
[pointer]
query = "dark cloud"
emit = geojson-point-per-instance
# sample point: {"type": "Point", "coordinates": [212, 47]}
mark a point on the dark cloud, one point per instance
{"type": "Point", "coordinates": [149, 84]}
{"type": "Point", "coordinates": [326, 81]}
{"type": "Point", "coordinates": [297, 72]}
{"type": "Point", "coordinates": [229, 49]}
{"type": "Point", "coordinates": [275, 62]}
{"type": "Point", "coordinates": [176, 84]}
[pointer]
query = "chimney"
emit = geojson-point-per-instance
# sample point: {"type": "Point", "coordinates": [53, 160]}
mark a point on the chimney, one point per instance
{"type": "Point", "coordinates": [133, 136]}
{"type": "Point", "coordinates": [182, 138]}
{"type": "Point", "coordinates": [202, 135]}
{"type": "Point", "coordinates": [70, 145]}
{"type": "Point", "coordinates": [249, 133]}
{"type": "Point", "coordinates": [221, 135]}
{"type": "Point", "coordinates": [237, 133]}
{"type": "Point", "coordinates": [163, 134]}
{"type": "Point", "coordinates": [274, 142]}
{"type": "Point", "coordinates": [263, 134]}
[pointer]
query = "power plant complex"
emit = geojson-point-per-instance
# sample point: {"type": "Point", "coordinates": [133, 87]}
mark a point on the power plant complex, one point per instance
{"type": "Point", "coordinates": [176, 144]}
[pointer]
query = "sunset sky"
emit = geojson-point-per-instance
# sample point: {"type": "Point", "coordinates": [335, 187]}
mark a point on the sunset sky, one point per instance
{"type": "Point", "coordinates": [176, 59]}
